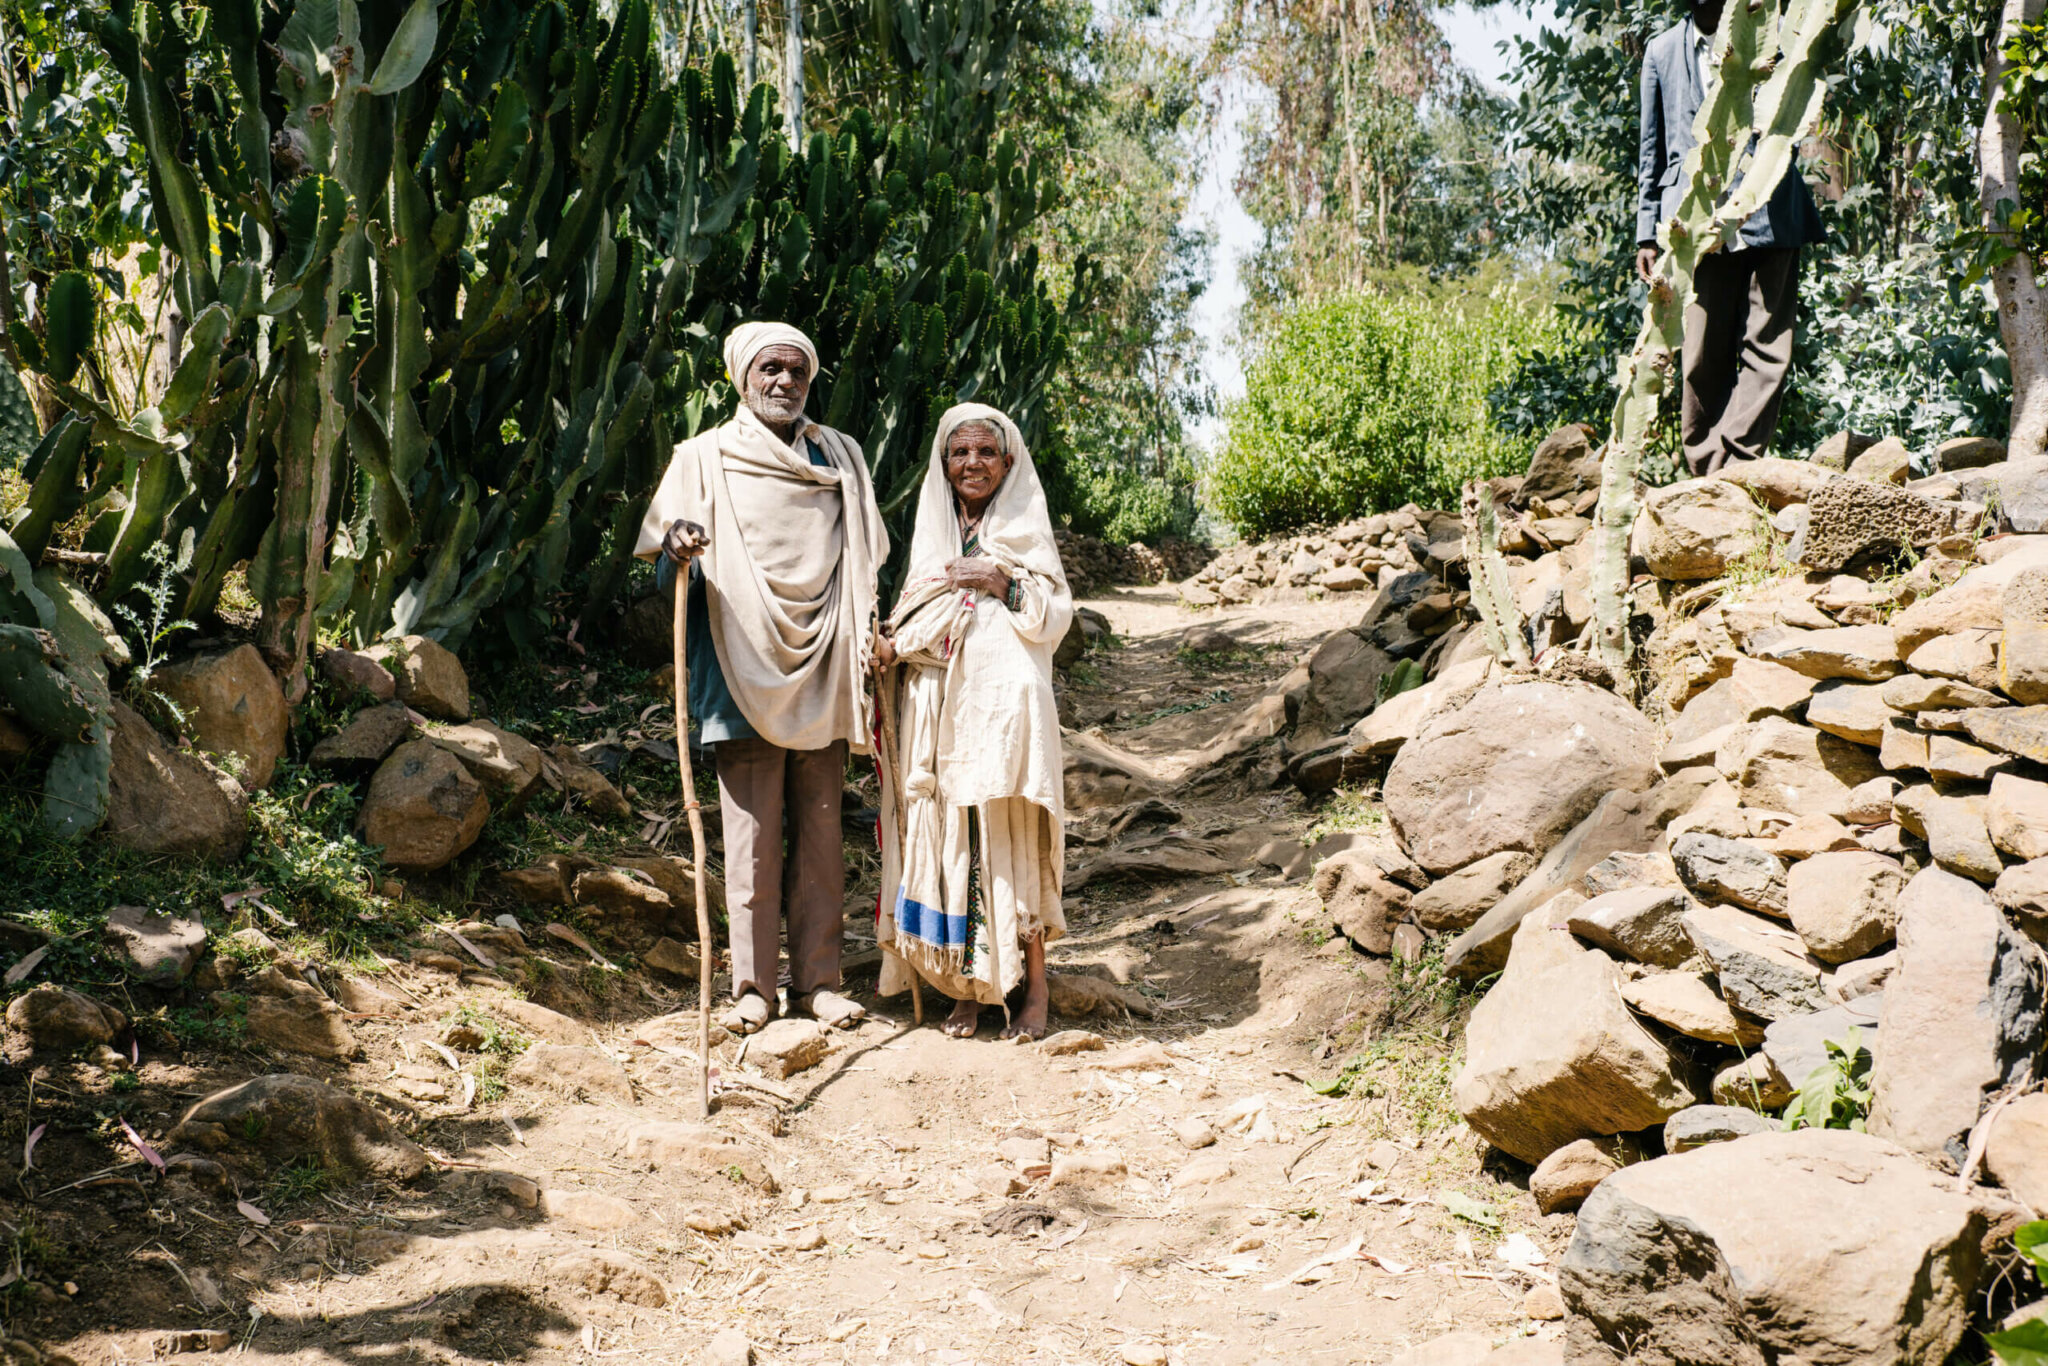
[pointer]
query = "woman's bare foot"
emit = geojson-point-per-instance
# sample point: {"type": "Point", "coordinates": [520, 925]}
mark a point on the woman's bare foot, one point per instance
{"type": "Point", "coordinates": [1029, 1021]}
{"type": "Point", "coordinates": [965, 1019]}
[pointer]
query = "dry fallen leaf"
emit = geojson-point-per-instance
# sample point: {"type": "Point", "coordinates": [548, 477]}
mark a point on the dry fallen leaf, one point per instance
{"type": "Point", "coordinates": [27, 965]}
{"type": "Point", "coordinates": [252, 1214]}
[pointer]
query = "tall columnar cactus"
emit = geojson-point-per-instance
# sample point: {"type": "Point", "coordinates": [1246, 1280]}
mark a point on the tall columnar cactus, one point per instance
{"type": "Point", "coordinates": [456, 274]}
{"type": "Point", "coordinates": [1493, 589]}
{"type": "Point", "coordinates": [55, 647]}
{"type": "Point", "coordinates": [1767, 99]}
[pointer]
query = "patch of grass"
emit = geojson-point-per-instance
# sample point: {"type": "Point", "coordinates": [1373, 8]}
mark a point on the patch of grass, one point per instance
{"type": "Point", "coordinates": [500, 1040]}
{"type": "Point", "coordinates": [1214, 697]}
{"type": "Point", "coordinates": [33, 1253]}
{"type": "Point", "coordinates": [1412, 1064]}
{"type": "Point", "coordinates": [1345, 810]}
{"type": "Point", "coordinates": [1083, 674]}
{"type": "Point", "coordinates": [297, 1181]}
{"type": "Point", "coordinates": [1239, 660]}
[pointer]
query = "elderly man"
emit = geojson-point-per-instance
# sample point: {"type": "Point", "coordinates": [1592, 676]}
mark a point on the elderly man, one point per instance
{"type": "Point", "coordinates": [1738, 330]}
{"type": "Point", "coordinates": [776, 518]}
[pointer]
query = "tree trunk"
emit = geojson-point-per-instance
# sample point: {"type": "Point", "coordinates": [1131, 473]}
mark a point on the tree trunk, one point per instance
{"type": "Point", "coordinates": [2022, 309]}
{"type": "Point", "coordinates": [793, 76]}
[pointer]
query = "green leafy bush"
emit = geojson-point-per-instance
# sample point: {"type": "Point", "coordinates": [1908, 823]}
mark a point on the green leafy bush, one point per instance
{"type": "Point", "coordinates": [1363, 402]}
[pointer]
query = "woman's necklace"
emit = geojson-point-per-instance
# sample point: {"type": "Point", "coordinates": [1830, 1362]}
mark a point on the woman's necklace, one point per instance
{"type": "Point", "coordinates": [969, 527]}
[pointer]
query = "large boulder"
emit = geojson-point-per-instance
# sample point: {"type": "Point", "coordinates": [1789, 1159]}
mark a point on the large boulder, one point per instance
{"type": "Point", "coordinates": [1552, 1054]}
{"type": "Point", "coordinates": [1963, 1015]}
{"type": "Point", "coordinates": [287, 1117]}
{"type": "Point", "coordinates": [430, 678]}
{"type": "Point", "coordinates": [1816, 1246]}
{"type": "Point", "coordinates": [423, 807]}
{"type": "Point", "coordinates": [1516, 767]}
{"type": "Point", "coordinates": [1696, 528]}
{"type": "Point", "coordinates": [165, 801]}
{"type": "Point", "coordinates": [1620, 823]}
{"type": "Point", "coordinates": [234, 710]}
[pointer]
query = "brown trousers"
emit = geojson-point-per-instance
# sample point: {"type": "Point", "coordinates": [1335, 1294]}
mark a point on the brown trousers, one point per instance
{"type": "Point", "coordinates": [1738, 348]}
{"type": "Point", "coordinates": [763, 792]}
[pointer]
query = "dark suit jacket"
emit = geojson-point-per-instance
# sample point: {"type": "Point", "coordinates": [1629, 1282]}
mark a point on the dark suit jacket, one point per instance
{"type": "Point", "coordinates": [1671, 99]}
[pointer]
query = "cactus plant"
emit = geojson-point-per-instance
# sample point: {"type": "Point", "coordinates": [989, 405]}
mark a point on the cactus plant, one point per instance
{"type": "Point", "coordinates": [1768, 98]}
{"type": "Point", "coordinates": [456, 284]}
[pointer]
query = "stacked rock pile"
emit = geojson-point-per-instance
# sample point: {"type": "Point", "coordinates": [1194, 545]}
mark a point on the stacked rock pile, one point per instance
{"type": "Point", "coordinates": [1818, 858]}
{"type": "Point", "coordinates": [1092, 562]}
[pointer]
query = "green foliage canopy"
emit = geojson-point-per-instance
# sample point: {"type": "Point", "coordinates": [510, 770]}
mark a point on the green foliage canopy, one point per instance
{"type": "Point", "coordinates": [1363, 402]}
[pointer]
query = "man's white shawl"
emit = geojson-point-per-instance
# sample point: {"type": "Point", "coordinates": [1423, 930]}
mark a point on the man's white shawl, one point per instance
{"type": "Point", "coordinates": [978, 725]}
{"type": "Point", "coordinates": [790, 572]}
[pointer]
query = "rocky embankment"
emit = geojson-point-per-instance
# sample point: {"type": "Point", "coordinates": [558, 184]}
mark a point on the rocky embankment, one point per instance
{"type": "Point", "coordinates": [1765, 999]}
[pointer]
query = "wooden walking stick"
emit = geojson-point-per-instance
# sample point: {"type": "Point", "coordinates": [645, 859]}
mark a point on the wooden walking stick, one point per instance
{"type": "Point", "coordinates": [705, 953]}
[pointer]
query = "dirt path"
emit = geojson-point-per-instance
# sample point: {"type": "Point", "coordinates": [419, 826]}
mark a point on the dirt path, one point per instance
{"type": "Point", "coordinates": [1179, 1193]}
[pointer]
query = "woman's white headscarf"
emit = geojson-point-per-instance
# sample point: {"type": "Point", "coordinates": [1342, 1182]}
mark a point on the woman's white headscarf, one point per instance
{"type": "Point", "coordinates": [749, 340]}
{"type": "Point", "coordinates": [1016, 529]}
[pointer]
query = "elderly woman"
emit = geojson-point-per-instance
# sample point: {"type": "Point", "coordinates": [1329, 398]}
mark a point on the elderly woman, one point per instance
{"type": "Point", "coordinates": [971, 883]}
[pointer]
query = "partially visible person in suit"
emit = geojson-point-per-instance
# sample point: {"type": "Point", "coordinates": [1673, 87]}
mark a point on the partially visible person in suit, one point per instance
{"type": "Point", "coordinates": [1738, 331]}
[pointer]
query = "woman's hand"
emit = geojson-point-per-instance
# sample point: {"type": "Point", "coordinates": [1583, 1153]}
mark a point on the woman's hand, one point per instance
{"type": "Point", "coordinates": [684, 541]}
{"type": "Point", "coordinates": [984, 576]}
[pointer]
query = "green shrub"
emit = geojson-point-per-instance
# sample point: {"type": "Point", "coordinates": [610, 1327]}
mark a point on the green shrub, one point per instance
{"type": "Point", "coordinates": [1364, 402]}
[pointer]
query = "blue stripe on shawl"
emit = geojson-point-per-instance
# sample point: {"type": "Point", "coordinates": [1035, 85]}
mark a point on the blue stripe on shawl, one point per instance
{"type": "Point", "coordinates": [930, 924]}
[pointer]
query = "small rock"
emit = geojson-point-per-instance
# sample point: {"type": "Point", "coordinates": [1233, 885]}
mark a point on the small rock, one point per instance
{"type": "Point", "coordinates": [1752, 1083]}
{"type": "Point", "coordinates": [1763, 967]}
{"type": "Point", "coordinates": [520, 1190]}
{"type": "Point", "coordinates": [233, 709]}
{"type": "Point", "coordinates": [1727, 871]}
{"type": "Point", "coordinates": [1457, 900]}
{"type": "Point", "coordinates": [1844, 905]}
{"type": "Point", "coordinates": [1797, 1046]}
{"type": "Point", "coordinates": [1193, 1133]}
{"type": "Point", "coordinates": [667, 1145]}
{"type": "Point", "coordinates": [1068, 1042]}
{"type": "Point", "coordinates": [1958, 838]}
{"type": "Point", "coordinates": [1968, 452]}
{"type": "Point", "coordinates": [1142, 1354]}
{"type": "Point", "coordinates": [429, 678]}
{"type": "Point", "coordinates": [1912, 692]}
{"type": "Point", "coordinates": [1210, 1169]}
{"type": "Point", "coordinates": [166, 801]}
{"type": "Point", "coordinates": [1866, 975]}
{"type": "Point", "coordinates": [1364, 905]}
{"type": "Point", "coordinates": [155, 947]}
{"type": "Point", "coordinates": [588, 1209]}
{"type": "Point", "coordinates": [2017, 1151]}
{"type": "Point", "coordinates": [1643, 923]}
{"type": "Point", "coordinates": [1887, 462]}
{"type": "Point", "coordinates": [507, 765]}
{"type": "Point", "coordinates": [617, 891]}
{"type": "Point", "coordinates": [788, 1046]}
{"type": "Point", "coordinates": [1684, 1002]}
{"type": "Point", "coordinates": [1563, 1180]}
{"type": "Point", "coordinates": [2016, 816]}
{"type": "Point", "coordinates": [1868, 653]}
{"type": "Point", "coordinates": [301, 1021]}
{"type": "Point", "coordinates": [1704, 1124]}
{"type": "Point", "coordinates": [1086, 1167]}
{"type": "Point", "coordinates": [1951, 759]}
{"type": "Point", "coordinates": [369, 735]}
{"type": "Point", "coordinates": [674, 958]}
{"type": "Point", "coordinates": [1853, 711]}
{"type": "Point", "coordinates": [1543, 1303]}
{"type": "Point", "coordinates": [57, 1019]}
{"type": "Point", "coordinates": [1208, 638]}
{"type": "Point", "coordinates": [1777, 765]}
{"type": "Point", "coordinates": [353, 673]}
{"type": "Point", "coordinates": [1809, 836]}
{"type": "Point", "coordinates": [588, 786]}
{"type": "Point", "coordinates": [1696, 528]}
{"type": "Point", "coordinates": [602, 1272]}
{"type": "Point", "coordinates": [1871, 803]}
{"type": "Point", "coordinates": [423, 808]}
{"type": "Point", "coordinates": [1343, 578]}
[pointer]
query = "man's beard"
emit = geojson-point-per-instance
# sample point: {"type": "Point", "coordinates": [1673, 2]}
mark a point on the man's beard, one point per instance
{"type": "Point", "coordinates": [779, 411]}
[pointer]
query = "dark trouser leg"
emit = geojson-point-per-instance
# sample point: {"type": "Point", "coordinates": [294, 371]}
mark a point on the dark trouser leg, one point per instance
{"type": "Point", "coordinates": [814, 889]}
{"type": "Point", "coordinates": [750, 794]}
{"type": "Point", "coordinates": [1714, 326]}
{"type": "Point", "coordinates": [1751, 417]}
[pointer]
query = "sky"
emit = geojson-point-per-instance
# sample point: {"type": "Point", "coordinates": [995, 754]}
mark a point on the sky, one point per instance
{"type": "Point", "coordinates": [1475, 36]}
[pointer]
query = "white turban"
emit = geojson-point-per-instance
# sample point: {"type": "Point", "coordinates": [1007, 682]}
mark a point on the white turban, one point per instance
{"type": "Point", "coordinates": [749, 340]}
